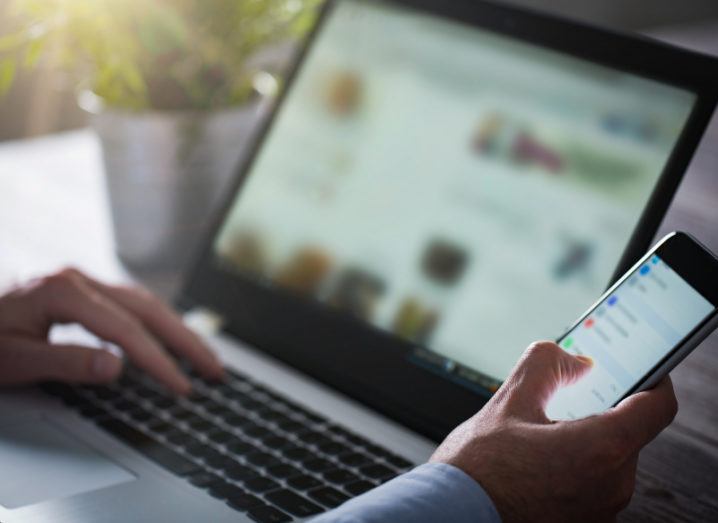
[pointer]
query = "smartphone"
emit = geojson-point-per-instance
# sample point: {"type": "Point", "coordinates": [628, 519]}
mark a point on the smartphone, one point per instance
{"type": "Point", "coordinates": [642, 326]}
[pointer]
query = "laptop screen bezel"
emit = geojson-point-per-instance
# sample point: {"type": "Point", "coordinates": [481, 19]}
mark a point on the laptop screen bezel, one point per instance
{"type": "Point", "coordinates": [370, 365]}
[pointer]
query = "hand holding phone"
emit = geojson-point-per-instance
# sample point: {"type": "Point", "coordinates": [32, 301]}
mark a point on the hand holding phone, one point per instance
{"type": "Point", "coordinates": [642, 327]}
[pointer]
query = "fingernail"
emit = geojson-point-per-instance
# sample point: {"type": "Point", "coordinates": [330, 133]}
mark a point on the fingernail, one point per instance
{"type": "Point", "coordinates": [105, 366]}
{"type": "Point", "coordinates": [586, 360]}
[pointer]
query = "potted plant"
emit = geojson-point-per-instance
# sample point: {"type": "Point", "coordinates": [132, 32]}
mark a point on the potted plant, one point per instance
{"type": "Point", "coordinates": [171, 86]}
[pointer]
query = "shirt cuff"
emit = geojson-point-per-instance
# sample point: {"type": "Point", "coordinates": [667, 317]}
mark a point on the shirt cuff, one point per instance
{"type": "Point", "coordinates": [430, 492]}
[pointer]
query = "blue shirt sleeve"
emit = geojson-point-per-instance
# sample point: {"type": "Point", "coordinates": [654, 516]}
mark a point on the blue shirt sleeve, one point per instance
{"type": "Point", "coordinates": [429, 493]}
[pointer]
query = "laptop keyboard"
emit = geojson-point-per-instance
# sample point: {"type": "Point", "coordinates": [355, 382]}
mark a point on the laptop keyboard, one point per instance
{"type": "Point", "coordinates": [243, 443]}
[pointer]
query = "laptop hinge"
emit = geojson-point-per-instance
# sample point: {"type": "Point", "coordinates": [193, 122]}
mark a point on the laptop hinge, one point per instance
{"type": "Point", "coordinates": [204, 321]}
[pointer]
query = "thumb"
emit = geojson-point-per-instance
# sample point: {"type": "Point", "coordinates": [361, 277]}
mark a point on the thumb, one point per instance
{"type": "Point", "coordinates": [543, 368]}
{"type": "Point", "coordinates": [26, 361]}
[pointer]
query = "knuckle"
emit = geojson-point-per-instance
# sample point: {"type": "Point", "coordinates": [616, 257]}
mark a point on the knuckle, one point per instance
{"type": "Point", "coordinates": [128, 324]}
{"type": "Point", "coordinates": [145, 296]}
{"type": "Point", "coordinates": [542, 347]}
{"type": "Point", "coordinates": [61, 282]}
{"type": "Point", "coordinates": [543, 350]}
{"type": "Point", "coordinates": [69, 272]}
{"type": "Point", "coordinates": [142, 296]}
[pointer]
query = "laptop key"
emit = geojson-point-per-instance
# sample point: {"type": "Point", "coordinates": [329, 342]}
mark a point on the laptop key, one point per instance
{"type": "Point", "coordinates": [399, 462]}
{"type": "Point", "coordinates": [179, 438]}
{"type": "Point", "coordinates": [318, 465]}
{"type": "Point", "coordinates": [263, 459]}
{"type": "Point", "coordinates": [160, 427]}
{"type": "Point", "coordinates": [378, 472]}
{"type": "Point", "coordinates": [328, 496]}
{"type": "Point", "coordinates": [260, 484]}
{"type": "Point", "coordinates": [339, 476]}
{"type": "Point", "coordinates": [315, 438]}
{"type": "Point", "coordinates": [224, 490]}
{"type": "Point", "coordinates": [234, 419]}
{"type": "Point", "coordinates": [297, 453]}
{"type": "Point", "coordinates": [267, 514]}
{"type": "Point", "coordinates": [340, 431]}
{"type": "Point", "coordinates": [304, 482]}
{"type": "Point", "coordinates": [311, 416]}
{"type": "Point", "coordinates": [162, 402]}
{"type": "Point", "coordinates": [240, 447]}
{"type": "Point", "coordinates": [355, 459]}
{"type": "Point", "coordinates": [149, 447]}
{"type": "Point", "coordinates": [181, 414]}
{"type": "Point", "coordinates": [220, 436]}
{"type": "Point", "coordinates": [203, 479]}
{"type": "Point", "coordinates": [140, 414]}
{"type": "Point", "coordinates": [268, 413]}
{"type": "Point", "coordinates": [199, 401]}
{"type": "Point", "coordinates": [358, 487]}
{"type": "Point", "coordinates": [291, 426]}
{"type": "Point", "coordinates": [215, 459]}
{"type": "Point", "coordinates": [248, 402]}
{"type": "Point", "coordinates": [293, 503]}
{"type": "Point", "coordinates": [283, 471]}
{"type": "Point", "coordinates": [257, 431]}
{"type": "Point", "coordinates": [376, 450]}
{"type": "Point", "coordinates": [217, 409]}
{"type": "Point", "coordinates": [144, 392]}
{"type": "Point", "coordinates": [236, 396]}
{"type": "Point", "coordinates": [276, 442]}
{"type": "Point", "coordinates": [279, 419]}
{"type": "Point", "coordinates": [201, 425]}
{"type": "Point", "coordinates": [334, 448]}
{"type": "Point", "coordinates": [239, 472]}
{"type": "Point", "coordinates": [197, 448]}
{"type": "Point", "coordinates": [244, 502]}
{"type": "Point", "coordinates": [356, 440]}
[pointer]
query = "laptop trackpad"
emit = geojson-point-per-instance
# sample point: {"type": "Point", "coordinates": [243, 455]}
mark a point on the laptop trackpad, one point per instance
{"type": "Point", "coordinates": [41, 461]}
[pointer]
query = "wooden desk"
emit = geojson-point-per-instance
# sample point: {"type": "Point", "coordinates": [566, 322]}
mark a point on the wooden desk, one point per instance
{"type": "Point", "coordinates": [53, 213]}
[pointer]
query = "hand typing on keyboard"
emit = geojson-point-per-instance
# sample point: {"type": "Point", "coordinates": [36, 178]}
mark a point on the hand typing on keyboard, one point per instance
{"type": "Point", "coordinates": [240, 441]}
{"type": "Point", "coordinates": [133, 319]}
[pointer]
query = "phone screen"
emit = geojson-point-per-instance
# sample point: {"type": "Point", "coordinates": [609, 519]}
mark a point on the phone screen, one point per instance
{"type": "Point", "coordinates": [627, 334]}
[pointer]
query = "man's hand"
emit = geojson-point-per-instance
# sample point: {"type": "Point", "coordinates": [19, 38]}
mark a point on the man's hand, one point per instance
{"type": "Point", "coordinates": [131, 318]}
{"type": "Point", "coordinates": [535, 469]}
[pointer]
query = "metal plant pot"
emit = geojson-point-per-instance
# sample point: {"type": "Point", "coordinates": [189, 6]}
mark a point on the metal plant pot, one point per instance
{"type": "Point", "coordinates": [165, 173]}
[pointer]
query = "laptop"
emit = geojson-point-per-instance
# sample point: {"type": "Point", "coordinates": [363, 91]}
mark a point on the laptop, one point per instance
{"type": "Point", "coordinates": [438, 185]}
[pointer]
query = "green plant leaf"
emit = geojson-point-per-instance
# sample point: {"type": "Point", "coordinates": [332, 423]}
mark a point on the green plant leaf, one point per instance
{"type": "Point", "coordinates": [7, 75]}
{"type": "Point", "coordinates": [33, 51]}
{"type": "Point", "coordinates": [11, 41]}
{"type": "Point", "coordinates": [163, 54]}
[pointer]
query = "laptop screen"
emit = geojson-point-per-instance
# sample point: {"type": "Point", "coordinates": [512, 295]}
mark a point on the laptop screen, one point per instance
{"type": "Point", "coordinates": [463, 190]}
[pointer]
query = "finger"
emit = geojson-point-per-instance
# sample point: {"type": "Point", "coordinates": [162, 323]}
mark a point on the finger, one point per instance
{"type": "Point", "coordinates": [639, 418]}
{"type": "Point", "coordinates": [27, 361]}
{"type": "Point", "coordinates": [164, 324]}
{"type": "Point", "coordinates": [67, 299]}
{"type": "Point", "coordinates": [543, 368]}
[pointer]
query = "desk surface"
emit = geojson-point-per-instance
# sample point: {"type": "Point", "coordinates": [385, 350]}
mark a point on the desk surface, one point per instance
{"type": "Point", "coordinates": [53, 213]}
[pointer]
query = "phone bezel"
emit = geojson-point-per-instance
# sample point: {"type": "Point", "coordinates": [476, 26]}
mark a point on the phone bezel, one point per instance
{"type": "Point", "coordinates": [698, 266]}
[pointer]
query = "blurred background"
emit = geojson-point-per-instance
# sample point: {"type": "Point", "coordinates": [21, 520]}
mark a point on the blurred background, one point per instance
{"type": "Point", "coordinates": [163, 170]}
{"type": "Point", "coordinates": [42, 101]}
